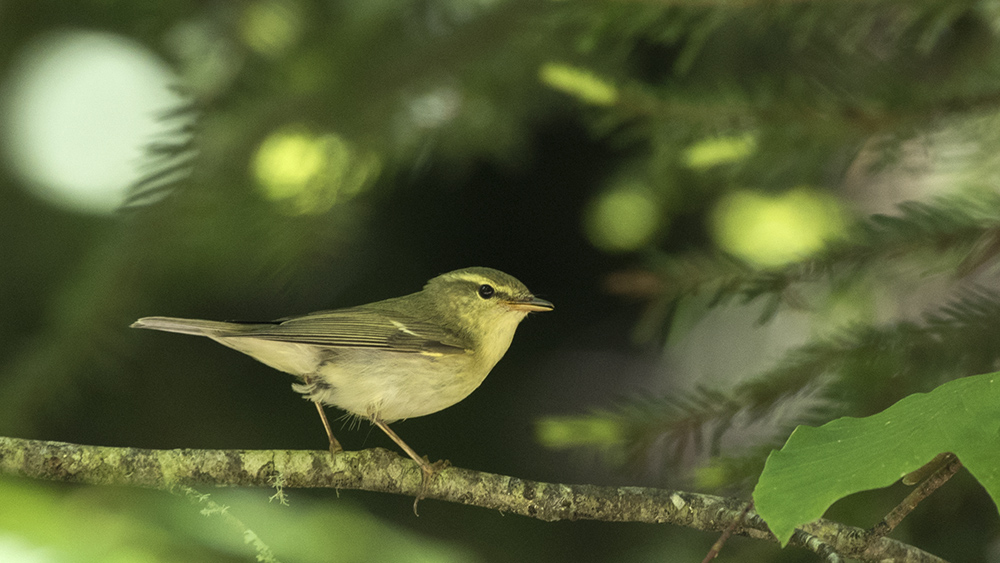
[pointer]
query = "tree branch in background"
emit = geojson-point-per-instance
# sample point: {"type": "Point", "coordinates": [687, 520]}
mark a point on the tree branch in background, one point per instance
{"type": "Point", "coordinates": [380, 470]}
{"type": "Point", "coordinates": [941, 469]}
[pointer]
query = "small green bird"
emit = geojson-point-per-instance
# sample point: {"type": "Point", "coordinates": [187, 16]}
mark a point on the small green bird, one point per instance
{"type": "Point", "coordinates": [389, 360]}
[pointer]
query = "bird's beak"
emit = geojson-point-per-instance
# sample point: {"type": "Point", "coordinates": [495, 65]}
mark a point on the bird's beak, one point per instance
{"type": "Point", "coordinates": [531, 304]}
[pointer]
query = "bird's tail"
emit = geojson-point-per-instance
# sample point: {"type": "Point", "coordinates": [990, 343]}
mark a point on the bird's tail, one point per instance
{"type": "Point", "coordinates": [189, 326]}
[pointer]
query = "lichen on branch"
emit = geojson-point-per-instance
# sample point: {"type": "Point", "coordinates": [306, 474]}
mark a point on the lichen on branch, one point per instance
{"type": "Point", "coordinates": [380, 470]}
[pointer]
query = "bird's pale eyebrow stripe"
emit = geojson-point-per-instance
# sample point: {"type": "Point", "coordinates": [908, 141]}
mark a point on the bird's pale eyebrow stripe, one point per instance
{"type": "Point", "coordinates": [402, 328]}
{"type": "Point", "coordinates": [476, 279]}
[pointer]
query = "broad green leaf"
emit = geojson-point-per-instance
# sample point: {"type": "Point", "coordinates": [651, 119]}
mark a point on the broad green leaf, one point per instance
{"type": "Point", "coordinates": [818, 466]}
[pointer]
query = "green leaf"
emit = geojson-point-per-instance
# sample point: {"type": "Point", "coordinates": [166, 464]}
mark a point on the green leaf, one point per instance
{"type": "Point", "coordinates": [818, 466]}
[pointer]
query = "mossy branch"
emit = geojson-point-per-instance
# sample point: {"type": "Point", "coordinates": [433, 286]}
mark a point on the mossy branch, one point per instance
{"type": "Point", "coordinates": [383, 471]}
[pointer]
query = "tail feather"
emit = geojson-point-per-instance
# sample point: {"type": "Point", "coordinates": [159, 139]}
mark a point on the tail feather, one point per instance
{"type": "Point", "coordinates": [197, 327]}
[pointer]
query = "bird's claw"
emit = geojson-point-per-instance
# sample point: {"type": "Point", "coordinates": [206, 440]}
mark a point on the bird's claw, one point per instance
{"type": "Point", "coordinates": [428, 472]}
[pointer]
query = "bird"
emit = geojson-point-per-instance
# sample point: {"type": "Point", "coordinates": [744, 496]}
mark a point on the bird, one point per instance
{"type": "Point", "coordinates": [390, 360]}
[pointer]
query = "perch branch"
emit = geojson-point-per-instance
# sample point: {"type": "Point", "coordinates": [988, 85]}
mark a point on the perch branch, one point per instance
{"type": "Point", "coordinates": [383, 471]}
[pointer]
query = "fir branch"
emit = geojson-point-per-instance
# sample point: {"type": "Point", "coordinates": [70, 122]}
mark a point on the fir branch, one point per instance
{"type": "Point", "coordinates": [383, 471]}
{"type": "Point", "coordinates": [960, 338]}
{"type": "Point", "coordinates": [170, 159]}
{"type": "Point", "coordinates": [967, 226]}
{"type": "Point", "coordinates": [861, 370]}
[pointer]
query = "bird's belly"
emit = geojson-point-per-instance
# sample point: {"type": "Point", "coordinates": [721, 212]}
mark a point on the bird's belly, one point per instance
{"type": "Point", "coordinates": [394, 386]}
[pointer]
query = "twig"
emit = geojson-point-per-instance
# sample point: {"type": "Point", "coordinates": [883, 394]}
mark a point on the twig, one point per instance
{"type": "Point", "coordinates": [946, 467]}
{"type": "Point", "coordinates": [717, 546]}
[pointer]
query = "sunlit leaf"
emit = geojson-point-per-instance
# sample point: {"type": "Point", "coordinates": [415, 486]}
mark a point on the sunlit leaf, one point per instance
{"type": "Point", "coordinates": [818, 466]}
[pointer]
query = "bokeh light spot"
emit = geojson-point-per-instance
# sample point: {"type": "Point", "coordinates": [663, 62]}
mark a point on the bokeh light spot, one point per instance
{"type": "Point", "coordinates": [623, 219]}
{"type": "Point", "coordinates": [435, 108]}
{"type": "Point", "coordinates": [579, 83]}
{"type": "Point", "coordinates": [719, 150]}
{"type": "Point", "coordinates": [287, 161]}
{"type": "Point", "coordinates": [77, 110]}
{"type": "Point", "coordinates": [569, 432]}
{"type": "Point", "coordinates": [309, 173]}
{"type": "Point", "coordinates": [770, 231]}
{"type": "Point", "coordinates": [271, 27]}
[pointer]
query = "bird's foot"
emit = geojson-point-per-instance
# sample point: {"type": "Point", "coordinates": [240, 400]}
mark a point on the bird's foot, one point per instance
{"type": "Point", "coordinates": [428, 472]}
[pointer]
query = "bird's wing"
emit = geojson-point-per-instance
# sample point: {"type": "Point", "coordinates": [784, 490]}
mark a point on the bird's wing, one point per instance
{"type": "Point", "coordinates": [358, 327]}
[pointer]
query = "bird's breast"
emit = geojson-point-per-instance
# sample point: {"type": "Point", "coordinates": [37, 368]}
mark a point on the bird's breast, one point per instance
{"type": "Point", "coordinates": [395, 385]}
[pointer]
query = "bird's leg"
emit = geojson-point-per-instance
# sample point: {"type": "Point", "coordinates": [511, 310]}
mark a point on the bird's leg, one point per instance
{"type": "Point", "coordinates": [334, 444]}
{"type": "Point", "coordinates": [427, 469]}
{"type": "Point", "coordinates": [425, 466]}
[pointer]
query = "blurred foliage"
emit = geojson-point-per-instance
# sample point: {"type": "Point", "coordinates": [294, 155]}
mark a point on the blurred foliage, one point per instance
{"type": "Point", "coordinates": [127, 525]}
{"type": "Point", "coordinates": [333, 153]}
{"type": "Point", "coordinates": [857, 369]}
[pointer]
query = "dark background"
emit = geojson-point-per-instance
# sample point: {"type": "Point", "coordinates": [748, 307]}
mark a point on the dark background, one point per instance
{"type": "Point", "coordinates": [506, 181]}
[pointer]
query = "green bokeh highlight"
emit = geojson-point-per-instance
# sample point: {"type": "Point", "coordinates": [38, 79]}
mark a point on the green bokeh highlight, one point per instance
{"type": "Point", "coordinates": [579, 83]}
{"type": "Point", "coordinates": [771, 231]}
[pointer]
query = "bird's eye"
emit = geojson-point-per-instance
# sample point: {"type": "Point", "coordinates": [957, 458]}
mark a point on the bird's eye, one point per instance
{"type": "Point", "coordinates": [486, 291]}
